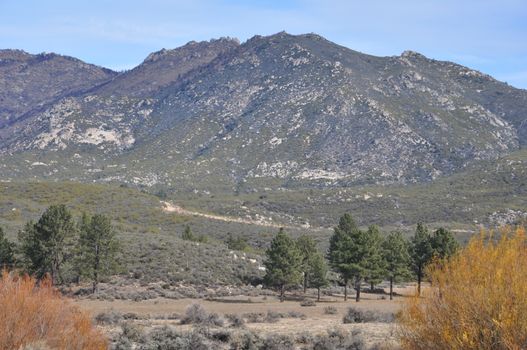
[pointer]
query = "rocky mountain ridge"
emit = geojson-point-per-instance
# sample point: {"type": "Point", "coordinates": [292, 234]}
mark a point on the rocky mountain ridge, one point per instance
{"type": "Point", "coordinates": [280, 111]}
{"type": "Point", "coordinates": [29, 82]}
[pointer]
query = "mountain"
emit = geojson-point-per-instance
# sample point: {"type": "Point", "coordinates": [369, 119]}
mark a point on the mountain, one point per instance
{"type": "Point", "coordinates": [28, 82]}
{"type": "Point", "coordinates": [275, 113]}
{"type": "Point", "coordinates": [164, 67]}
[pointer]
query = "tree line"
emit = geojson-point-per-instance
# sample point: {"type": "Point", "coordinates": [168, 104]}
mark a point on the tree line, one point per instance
{"type": "Point", "coordinates": [88, 246]}
{"type": "Point", "coordinates": [356, 255]}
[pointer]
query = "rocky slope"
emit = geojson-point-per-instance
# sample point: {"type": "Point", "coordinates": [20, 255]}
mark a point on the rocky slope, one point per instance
{"type": "Point", "coordinates": [281, 111]}
{"type": "Point", "coordinates": [28, 82]}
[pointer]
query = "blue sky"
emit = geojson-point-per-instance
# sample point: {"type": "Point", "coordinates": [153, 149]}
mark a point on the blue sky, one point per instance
{"type": "Point", "coordinates": [490, 36]}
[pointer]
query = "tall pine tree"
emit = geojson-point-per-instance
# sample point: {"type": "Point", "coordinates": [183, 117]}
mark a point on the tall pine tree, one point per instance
{"type": "Point", "coordinates": [348, 253]}
{"type": "Point", "coordinates": [318, 271]}
{"type": "Point", "coordinates": [395, 249]}
{"type": "Point", "coordinates": [46, 244]}
{"type": "Point", "coordinates": [421, 253]}
{"type": "Point", "coordinates": [282, 263]}
{"type": "Point", "coordinates": [444, 243]}
{"type": "Point", "coordinates": [308, 249]}
{"type": "Point", "coordinates": [97, 248]}
{"type": "Point", "coordinates": [375, 263]}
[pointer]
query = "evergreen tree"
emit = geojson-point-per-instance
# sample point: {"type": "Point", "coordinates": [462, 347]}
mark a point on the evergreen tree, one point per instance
{"type": "Point", "coordinates": [375, 263]}
{"type": "Point", "coordinates": [348, 252]}
{"type": "Point", "coordinates": [188, 235]}
{"type": "Point", "coordinates": [444, 243]}
{"type": "Point", "coordinates": [97, 248]}
{"type": "Point", "coordinates": [236, 243]}
{"type": "Point", "coordinates": [318, 270]}
{"type": "Point", "coordinates": [7, 256]}
{"type": "Point", "coordinates": [282, 263]}
{"type": "Point", "coordinates": [421, 253]}
{"type": "Point", "coordinates": [308, 249]}
{"type": "Point", "coordinates": [395, 249]}
{"type": "Point", "coordinates": [45, 245]}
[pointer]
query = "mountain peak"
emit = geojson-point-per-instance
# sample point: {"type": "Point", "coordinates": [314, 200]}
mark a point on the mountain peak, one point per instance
{"type": "Point", "coordinates": [14, 54]}
{"type": "Point", "coordinates": [193, 47]}
{"type": "Point", "coordinates": [412, 54]}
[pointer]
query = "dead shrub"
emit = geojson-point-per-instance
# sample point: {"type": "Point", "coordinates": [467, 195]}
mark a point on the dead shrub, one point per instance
{"type": "Point", "coordinates": [330, 310]}
{"type": "Point", "coordinates": [37, 314]}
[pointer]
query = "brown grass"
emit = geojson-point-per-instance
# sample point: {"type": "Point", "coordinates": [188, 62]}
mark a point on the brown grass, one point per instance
{"type": "Point", "coordinates": [37, 314]}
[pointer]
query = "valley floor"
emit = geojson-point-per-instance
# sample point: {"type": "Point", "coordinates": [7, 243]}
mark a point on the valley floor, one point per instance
{"type": "Point", "coordinates": [314, 320]}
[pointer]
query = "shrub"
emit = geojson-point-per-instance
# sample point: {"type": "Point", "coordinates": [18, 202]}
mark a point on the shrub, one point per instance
{"type": "Point", "coordinates": [272, 316]}
{"type": "Point", "coordinates": [221, 335]}
{"type": "Point", "coordinates": [246, 340]}
{"type": "Point", "coordinates": [477, 298]}
{"type": "Point", "coordinates": [339, 339]}
{"type": "Point", "coordinates": [32, 315]}
{"type": "Point", "coordinates": [308, 302]}
{"type": "Point", "coordinates": [109, 317]}
{"type": "Point", "coordinates": [196, 314]}
{"type": "Point", "coordinates": [305, 338]}
{"type": "Point", "coordinates": [358, 316]}
{"type": "Point", "coordinates": [236, 243]}
{"type": "Point", "coordinates": [235, 320]}
{"type": "Point", "coordinates": [254, 317]}
{"type": "Point", "coordinates": [296, 314]}
{"type": "Point", "coordinates": [279, 342]}
{"type": "Point", "coordinates": [167, 338]}
{"type": "Point", "coordinates": [131, 331]}
{"type": "Point", "coordinates": [330, 310]}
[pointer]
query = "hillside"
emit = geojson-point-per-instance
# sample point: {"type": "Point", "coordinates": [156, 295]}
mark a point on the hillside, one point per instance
{"type": "Point", "coordinates": [149, 235]}
{"type": "Point", "coordinates": [305, 124]}
{"type": "Point", "coordinates": [29, 82]}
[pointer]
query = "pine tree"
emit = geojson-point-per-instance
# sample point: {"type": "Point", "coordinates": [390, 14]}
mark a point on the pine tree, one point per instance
{"type": "Point", "coordinates": [308, 249]}
{"type": "Point", "coordinates": [283, 261]}
{"type": "Point", "coordinates": [318, 270]}
{"type": "Point", "coordinates": [45, 245]}
{"type": "Point", "coordinates": [375, 263]}
{"type": "Point", "coordinates": [395, 249]}
{"type": "Point", "coordinates": [188, 235]}
{"type": "Point", "coordinates": [421, 253]}
{"type": "Point", "coordinates": [348, 252]}
{"type": "Point", "coordinates": [98, 247]}
{"type": "Point", "coordinates": [7, 256]}
{"type": "Point", "coordinates": [444, 243]}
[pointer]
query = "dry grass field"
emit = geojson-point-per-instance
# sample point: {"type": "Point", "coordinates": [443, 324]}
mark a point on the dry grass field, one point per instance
{"type": "Point", "coordinates": [295, 320]}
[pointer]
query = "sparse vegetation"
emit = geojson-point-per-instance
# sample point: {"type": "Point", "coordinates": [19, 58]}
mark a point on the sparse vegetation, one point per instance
{"type": "Point", "coordinates": [308, 302]}
{"type": "Point", "coordinates": [236, 243]}
{"type": "Point", "coordinates": [330, 310]}
{"type": "Point", "coordinates": [354, 315]}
